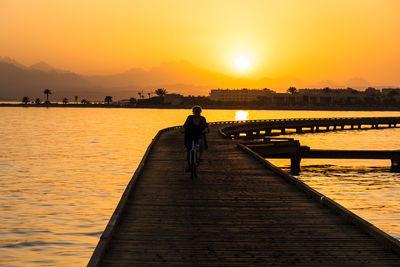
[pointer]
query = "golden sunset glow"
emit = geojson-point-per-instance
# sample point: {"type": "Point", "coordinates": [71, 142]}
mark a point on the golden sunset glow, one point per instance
{"type": "Point", "coordinates": [242, 62]}
{"type": "Point", "coordinates": [302, 41]}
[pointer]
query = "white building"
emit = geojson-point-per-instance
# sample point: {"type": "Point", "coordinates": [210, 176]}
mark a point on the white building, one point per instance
{"type": "Point", "coordinates": [239, 95]}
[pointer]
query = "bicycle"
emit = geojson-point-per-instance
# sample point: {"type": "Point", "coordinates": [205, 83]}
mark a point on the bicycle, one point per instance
{"type": "Point", "coordinates": [193, 159]}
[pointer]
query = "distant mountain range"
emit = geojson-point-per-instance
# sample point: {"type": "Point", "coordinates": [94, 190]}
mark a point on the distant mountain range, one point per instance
{"type": "Point", "coordinates": [17, 81]}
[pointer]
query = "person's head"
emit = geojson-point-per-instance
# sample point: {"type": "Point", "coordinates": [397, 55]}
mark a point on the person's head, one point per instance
{"type": "Point", "coordinates": [196, 110]}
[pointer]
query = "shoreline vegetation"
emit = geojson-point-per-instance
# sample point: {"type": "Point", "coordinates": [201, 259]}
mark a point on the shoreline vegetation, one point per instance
{"type": "Point", "coordinates": [386, 99]}
{"type": "Point", "coordinates": [230, 106]}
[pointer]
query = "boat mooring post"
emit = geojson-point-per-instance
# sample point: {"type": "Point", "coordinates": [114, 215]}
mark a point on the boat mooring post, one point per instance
{"type": "Point", "coordinates": [395, 167]}
{"type": "Point", "coordinates": [295, 159]}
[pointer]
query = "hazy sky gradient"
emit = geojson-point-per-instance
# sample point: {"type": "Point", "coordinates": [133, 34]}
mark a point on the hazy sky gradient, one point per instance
{"type": "Point", "coordinates": [310, 40]}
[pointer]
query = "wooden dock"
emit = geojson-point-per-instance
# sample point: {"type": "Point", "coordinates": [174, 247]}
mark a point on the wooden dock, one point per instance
{"type": "Point", "coordinates": [240, 211]}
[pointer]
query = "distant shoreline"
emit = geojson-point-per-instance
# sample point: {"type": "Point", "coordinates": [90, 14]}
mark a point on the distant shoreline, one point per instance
{"type": "Point", "coordinates": [230, 107]}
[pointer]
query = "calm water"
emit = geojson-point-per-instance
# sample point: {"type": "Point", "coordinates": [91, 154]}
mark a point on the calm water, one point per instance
{"type": "Point", "coordinates": [63, 170]}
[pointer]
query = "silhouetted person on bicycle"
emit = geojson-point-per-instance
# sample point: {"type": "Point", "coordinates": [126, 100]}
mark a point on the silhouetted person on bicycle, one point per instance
{"type": "Point", "coordinates": [195, 130]}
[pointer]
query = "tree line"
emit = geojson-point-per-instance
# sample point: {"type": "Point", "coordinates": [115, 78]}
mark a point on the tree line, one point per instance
{"type": "Point", "coordinates": [160, 92]}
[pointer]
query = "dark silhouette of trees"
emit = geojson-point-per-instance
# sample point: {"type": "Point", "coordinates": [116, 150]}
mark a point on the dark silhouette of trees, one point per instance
{"type": "Point", "coordinates": [160, 92]}
{"type": "Point", "coordinates": [327, 90]}
{"type": "Point", "coordinates": [149, 94]}
{"type": "Point", "coordinates": [25, 100]}
{"type": "Point", "coordinates": [292, 90]}
{"type": "Point", "coordinates": [37, 101]}
{"type": "Point", "coordinates": [76, 99]}
{"type": "Point", "coordinates": [351, 90]}
{"type": "Point", "coordinates": [393, 93]}
{"type": "Point", "coordinates": [132, 100]}
{"type": "Point", "coordinates": [47, 92]}
{"type": "Point", "coordinates": [108, 99]}
{"type": "Point", "coordinates": [140, 94]}
{"type": "Point", "coordinates": [85, 102]}
{"type": "Point", "coordinates": [65, 100]}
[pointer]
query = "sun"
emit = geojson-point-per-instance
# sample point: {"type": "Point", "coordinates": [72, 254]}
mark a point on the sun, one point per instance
{"type": "Point", "coordinates": [242, 62]}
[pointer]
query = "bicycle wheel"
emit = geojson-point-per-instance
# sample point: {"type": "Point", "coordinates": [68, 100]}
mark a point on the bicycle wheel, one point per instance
{"type": "Point", "coordinates": [193, 164]}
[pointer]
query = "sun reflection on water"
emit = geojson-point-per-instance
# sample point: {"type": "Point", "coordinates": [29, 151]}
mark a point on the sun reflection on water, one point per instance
{"type": "Point", "coordinates": [241, 115]}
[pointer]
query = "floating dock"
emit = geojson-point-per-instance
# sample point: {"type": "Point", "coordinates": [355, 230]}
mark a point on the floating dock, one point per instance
{"type": "Point", "coordinates": [239, 211]}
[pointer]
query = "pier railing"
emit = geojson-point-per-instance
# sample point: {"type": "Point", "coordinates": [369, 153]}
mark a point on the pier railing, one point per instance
{"type": "Point", "coordinates": [264, 127]}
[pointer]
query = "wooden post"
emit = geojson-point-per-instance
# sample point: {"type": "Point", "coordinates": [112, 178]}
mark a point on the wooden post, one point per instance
{"type": "Point", "coordinates": [295, 159]}
{"type": "Point", "coordinates": [395, 165]}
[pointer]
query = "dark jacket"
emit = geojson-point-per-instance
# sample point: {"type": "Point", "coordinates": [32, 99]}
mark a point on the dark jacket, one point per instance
{"type": "Point", "coordinates": [192, 131]}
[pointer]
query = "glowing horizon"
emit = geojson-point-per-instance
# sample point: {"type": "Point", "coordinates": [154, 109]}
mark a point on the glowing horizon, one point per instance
{"type": "Point", "coordinates": [309, 40]}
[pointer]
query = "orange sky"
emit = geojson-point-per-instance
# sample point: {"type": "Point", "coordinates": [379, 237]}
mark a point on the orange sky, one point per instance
{"type": "Point", "coordinates": [310, 40]}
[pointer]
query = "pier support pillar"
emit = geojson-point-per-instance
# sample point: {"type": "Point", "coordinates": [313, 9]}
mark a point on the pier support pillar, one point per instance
{"type": "Point", "coordinates": [342, 127]}
{"type": "Point", "coordinates": [295, 165]}
{"type": "Point", "coordinates": [295, 159]}
{"type": "Point", "coordinates": [395, 165]}
{"type": "Point", "coordinates": [299, 130]}
{"type": "Point", "coordinates": [352, 127]}
{"type": "Point", "coordinates": [283, 130]}
{"type": "Point", "coordinates": [334, 127]}
{"type": "Point", "coordinates": [267, 131]}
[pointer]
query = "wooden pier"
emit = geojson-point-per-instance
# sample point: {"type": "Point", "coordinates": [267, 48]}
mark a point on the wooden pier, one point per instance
{"type": "Point", "coordinates": [239, 211]}
{"type": "Point", "coordinates": [291, 149]}
{"type": "Point", "coordinates": [259, 128]}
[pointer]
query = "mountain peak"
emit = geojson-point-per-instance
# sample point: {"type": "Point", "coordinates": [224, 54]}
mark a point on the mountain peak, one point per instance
{"type": "Point", "coordinates": [12, 61]}
{"type": "Point", "coordinates": [42, 66]}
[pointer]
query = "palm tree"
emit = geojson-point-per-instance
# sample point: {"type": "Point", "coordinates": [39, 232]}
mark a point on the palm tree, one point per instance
{"type": "Point", "coordinates": [47, 92]}
{"type": "Point", "coordinates": [76, 99]}
{"type": "Point", "coordinates": [65, 100]}
{"type": "Point", "coordinates": [108, 99]}
{"type": "Point", "coordinates": [37, 101]}
{"type": "Point", "coordinates": [25, 100]}
{"type": "Point", "coordinates": [85, 102]}
{"type": "Point", "coordinates": [160, 92]}
{"type": "Point", "coordinates": [292, 90]}
{"type": "Point", "coordinates": [149, 94]}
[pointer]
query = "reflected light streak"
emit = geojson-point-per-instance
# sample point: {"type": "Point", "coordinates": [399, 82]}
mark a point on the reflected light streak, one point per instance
{"type": "Point", "coordinates": [241, 115]}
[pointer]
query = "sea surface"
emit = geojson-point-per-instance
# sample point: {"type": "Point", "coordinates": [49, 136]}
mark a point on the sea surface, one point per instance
{"type": "Point", "coordinates": [63, 170]}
